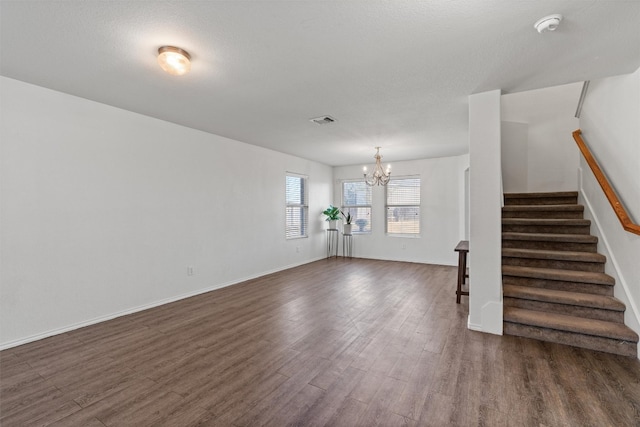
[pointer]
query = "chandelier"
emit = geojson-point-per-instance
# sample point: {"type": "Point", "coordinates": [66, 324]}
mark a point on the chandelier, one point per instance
{"type": "Point", "coordinates": [378, 176]}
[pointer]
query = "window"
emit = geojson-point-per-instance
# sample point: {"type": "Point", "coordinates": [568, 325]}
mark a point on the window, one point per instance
{"type": "Point", "coordinates": [356, 199]}
{"type": "Point", "coordinates": [403, 206]}
{"type": "Point", "coordinates": [297, 207]}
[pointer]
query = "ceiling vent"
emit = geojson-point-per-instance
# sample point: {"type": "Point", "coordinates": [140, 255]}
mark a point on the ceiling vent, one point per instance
{"type": "Point", "coordinates": [324, 120]}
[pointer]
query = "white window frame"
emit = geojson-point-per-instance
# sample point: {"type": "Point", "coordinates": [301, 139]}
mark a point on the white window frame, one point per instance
{"type": "Point", "coordinates": [303, 204]}
{"type": "Point", "coordinates": [346, 208]}
{"type": "Point", "coordinates": [406, 205]}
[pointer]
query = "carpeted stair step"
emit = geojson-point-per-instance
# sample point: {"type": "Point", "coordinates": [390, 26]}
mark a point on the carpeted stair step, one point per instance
{"type": "Point", "coordinates": [592, 334]}
{"type": "Point", "coordinates": [566, 260]}
{"type": "Point", "coordinates": [543, 211]}
{"type": "Point", "coordinates": [546, 225]}
{"type": "Point", "coordinates": [554, 198]}
{"type": "Point", "coordinates": [562, 280]}
{"type": "Point", "coordinates": [555, 242]}
{"type": "Point", "coordinates": [598, 307]}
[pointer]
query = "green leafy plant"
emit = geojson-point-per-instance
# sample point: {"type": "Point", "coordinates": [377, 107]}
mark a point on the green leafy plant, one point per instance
{"type": "Point", "coordinates": [332, 213]}
{"type": "Point", "coordinates": [347, 217]}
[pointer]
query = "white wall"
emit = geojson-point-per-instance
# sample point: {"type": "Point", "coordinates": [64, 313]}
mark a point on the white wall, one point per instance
{"type": "Point", "coordinates": [610, 123]}
{"type": "Point", "coordinates": [552, 156]}
{"type": "Point", "coordinates": [102, 210]}
{"type": "Point", "coordinates": [485, 244]}
{"type": "Point", "coordinates": [442, 179]}
{"type": "Point", "coordinates": [514, 157]}
{"type": "Point", "coordinates": [547, 156]}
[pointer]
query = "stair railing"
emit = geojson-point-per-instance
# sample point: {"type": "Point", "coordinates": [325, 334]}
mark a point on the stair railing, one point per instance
{"type": "Point", "coordinates": [617, 206]}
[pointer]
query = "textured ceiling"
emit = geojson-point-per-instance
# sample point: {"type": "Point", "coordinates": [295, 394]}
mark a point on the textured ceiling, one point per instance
{"type": "Point", "coordinates": [393, 73]}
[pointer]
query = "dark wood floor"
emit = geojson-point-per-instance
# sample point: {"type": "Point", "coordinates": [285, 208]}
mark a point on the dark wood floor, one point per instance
{"type": "Point", "coordinates": [335, 342]}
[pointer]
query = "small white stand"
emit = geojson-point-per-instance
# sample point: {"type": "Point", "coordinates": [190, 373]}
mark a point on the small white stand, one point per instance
{"type": "Point", "coordinates": [347, 245]}
{"type": "Point", "coordinates": [332, 242]}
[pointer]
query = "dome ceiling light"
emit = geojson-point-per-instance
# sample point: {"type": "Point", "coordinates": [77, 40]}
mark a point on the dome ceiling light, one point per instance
{"type": "Point", "coordinates": [174, 60]}
{"type": "Point", "coordinates": [548, 23]}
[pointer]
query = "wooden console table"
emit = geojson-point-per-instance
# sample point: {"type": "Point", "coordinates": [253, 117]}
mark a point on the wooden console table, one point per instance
{"type": "Point", "coordinates": [463, 249]}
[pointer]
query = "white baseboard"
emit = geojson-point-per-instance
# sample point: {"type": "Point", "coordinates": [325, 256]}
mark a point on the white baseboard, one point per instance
{"type": "Point", "coordinates": [611, 260]}
{"type": "Point", "coordinates": [473, 326]}
{"type": "Point", "coordinates": [491, 319]}
{"type": "Point", "coordinates": [111, 316]}
{"type": "Point", "coordinates": [413, 261]}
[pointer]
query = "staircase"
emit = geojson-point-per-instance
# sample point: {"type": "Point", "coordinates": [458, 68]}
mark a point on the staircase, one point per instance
{"type": "Point", "coordinates": [554, 284]}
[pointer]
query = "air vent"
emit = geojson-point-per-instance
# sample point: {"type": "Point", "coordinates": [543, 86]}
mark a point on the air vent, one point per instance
{"type": "Point", "coordinates": [324, 120]}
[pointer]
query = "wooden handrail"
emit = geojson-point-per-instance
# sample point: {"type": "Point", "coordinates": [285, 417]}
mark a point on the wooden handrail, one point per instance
{"type": "Point", "coordinates": [617, 206]}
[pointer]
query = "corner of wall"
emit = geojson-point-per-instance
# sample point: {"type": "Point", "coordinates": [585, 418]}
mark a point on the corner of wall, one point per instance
{"type": "Point", "coordinates": [485, 243]}
{"type": "Point", "coordinates": [491, 319]}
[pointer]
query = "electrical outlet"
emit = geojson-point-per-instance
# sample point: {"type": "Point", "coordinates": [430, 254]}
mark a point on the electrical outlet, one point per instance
{"type": "Point", "coordinates": [190, 270]}
{"type": "Point", "coordinates": [404, 246]}
{"type": "Point", "coordinates": [297, 249]}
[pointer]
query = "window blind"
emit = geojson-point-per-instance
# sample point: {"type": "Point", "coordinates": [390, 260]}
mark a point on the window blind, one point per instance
{"type": "Point", "coordinates": [297, 208]}
{"type": "Point", "coordinates": [356, 200]}
{"type": "Point", "coordinates": [403, 206]}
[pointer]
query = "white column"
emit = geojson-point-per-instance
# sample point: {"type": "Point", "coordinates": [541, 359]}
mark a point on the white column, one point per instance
{"type": "Point", "coordinates": [485, 246]}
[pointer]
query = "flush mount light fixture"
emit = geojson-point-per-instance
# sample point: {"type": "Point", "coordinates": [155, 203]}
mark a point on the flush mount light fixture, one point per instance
{"type": "Point", "coordinates": [548, 23]}
{"type": "Point", "coordinates": [378, 176]}
{"type": "Point", "coordinates": [174, 60]}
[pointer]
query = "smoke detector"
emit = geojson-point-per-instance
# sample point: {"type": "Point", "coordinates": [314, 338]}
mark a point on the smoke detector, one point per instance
{"type": "Point", "coordinates": [324, 120]}
{"type": "Point", "coordinates": [548, 23]}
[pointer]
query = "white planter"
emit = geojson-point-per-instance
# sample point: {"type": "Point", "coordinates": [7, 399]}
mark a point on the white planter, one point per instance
{"type": "Point", "coordinates": [332, 225]}
{"type": "Point", "coordinates": [346, 228]}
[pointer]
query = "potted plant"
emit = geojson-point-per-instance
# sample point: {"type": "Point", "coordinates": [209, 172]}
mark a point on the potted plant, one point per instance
{"type": "Point", "coordinates": [332, 215]}
{"type": "Point", "coordinates": [346, 227]}
{"type": "Point", "coordinates": [361, 222]}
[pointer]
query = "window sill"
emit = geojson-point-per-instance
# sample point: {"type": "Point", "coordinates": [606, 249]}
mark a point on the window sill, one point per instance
{"type": "Point", "coordinates": [297, 237]}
